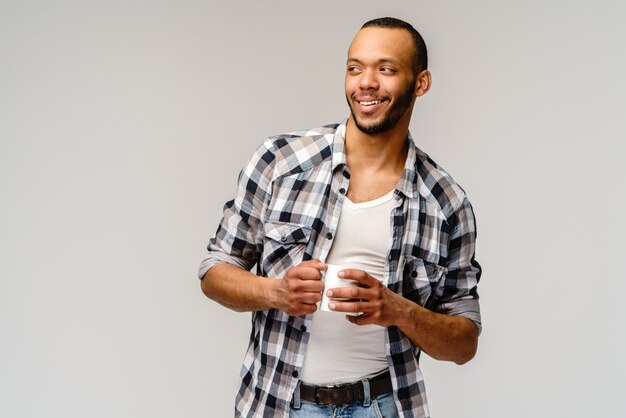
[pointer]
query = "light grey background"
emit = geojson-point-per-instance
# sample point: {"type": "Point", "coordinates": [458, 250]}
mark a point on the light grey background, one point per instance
{"type": "Point", "coordinates": [123, 125]}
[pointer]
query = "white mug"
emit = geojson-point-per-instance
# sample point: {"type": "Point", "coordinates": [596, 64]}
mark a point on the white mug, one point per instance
{"type": "Point", "coordinates": [331, 281]}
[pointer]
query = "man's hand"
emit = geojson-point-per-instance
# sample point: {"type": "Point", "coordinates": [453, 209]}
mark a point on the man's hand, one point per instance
{"type": "Point", "coordinates": [443, 337]}
{"type": "Point", "coordinates": [374, 302]}
{"type": "Point", "coordinates": [301, 288]}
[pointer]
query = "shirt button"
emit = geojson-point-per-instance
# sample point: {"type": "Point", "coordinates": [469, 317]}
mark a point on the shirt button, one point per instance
{"type": "Point", "coordinates": [414, 274]}
{"type": "Point", "coordinates": [329, 235]}
{"type": "Point", "coordinates": [342, 190]}
{"type": "Point", "coordinates": [295, 373]}
{"type": "Point", "coordinates": [283, 238]}
{"type": "Point", "coordinates": [303, 328]}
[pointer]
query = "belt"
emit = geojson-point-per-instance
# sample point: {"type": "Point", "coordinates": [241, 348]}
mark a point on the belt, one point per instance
{"type": "Point", "coordinates": [346, 393]}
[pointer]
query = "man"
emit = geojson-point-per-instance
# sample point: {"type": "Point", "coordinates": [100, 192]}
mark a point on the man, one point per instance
{"type": "Point", "coordinates": [359, 194]}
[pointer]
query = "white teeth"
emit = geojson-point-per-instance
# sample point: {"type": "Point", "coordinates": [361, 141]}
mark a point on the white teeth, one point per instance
{"type": "Point", "coordinates": [371, 103]}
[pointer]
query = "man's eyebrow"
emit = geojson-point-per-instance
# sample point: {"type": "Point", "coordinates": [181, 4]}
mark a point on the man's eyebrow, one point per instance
{"type": "Point", "coordinates": [381, 60]}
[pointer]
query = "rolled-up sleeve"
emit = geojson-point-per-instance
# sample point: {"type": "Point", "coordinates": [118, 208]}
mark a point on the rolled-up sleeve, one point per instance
{"type": "Point", "coordinates": [239, 236]}
{"type": "Point", "coordinates": [457, 294]}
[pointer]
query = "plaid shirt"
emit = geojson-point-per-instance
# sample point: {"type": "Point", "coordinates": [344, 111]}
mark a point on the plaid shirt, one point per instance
{"type": "Point", "coordinates": [287, 209]}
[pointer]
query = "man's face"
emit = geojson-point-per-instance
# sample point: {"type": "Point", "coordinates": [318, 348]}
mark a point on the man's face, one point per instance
{"type": "Point", "coordinates": [380, 82]}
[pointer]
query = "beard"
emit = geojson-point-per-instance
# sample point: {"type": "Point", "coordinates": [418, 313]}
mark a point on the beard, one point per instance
{"type": "Point", "coordinates": [391, 118]}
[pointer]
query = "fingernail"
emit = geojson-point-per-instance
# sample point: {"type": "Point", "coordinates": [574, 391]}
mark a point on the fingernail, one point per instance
{"type": "Point", "coordinates": [329, 293]}
{"type": "Point", "coordinates": [331, 306]}
{"type": "Point", "coordinates": [340, 274]}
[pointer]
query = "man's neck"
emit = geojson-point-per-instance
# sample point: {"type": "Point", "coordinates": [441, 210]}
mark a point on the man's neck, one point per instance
{"type": "Point", "coordinates": [376, 162]}
{"type": "Point", "coordinates": [383, 152]}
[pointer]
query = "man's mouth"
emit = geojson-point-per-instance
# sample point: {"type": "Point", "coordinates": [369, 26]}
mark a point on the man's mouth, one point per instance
{"type": "Point", "coordinates": [369, 102]}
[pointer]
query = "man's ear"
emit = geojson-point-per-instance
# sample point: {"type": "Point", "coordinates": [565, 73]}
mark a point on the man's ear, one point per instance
{"type": "Point", "coordinates": [423, 83]}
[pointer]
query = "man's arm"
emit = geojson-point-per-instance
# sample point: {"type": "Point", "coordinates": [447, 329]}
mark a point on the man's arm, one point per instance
{"type": "Point", "coordinates": [238, 289]}
{"type": "Point", "coordinates": [451, 336]}
{"type": "Point", "coordinates": [443, 337]}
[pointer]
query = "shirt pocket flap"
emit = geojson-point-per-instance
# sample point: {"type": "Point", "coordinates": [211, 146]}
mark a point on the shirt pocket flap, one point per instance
{"type": "Point", "coordinates": [420, 280]}
{"type": "Point", "coordinates": [287, 233]}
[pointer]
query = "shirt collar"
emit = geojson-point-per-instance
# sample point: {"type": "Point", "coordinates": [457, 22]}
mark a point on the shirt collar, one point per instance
{"type": "Point", "coordinates": [408, 183]}
{"type": "Point", "coordinates": [339, 145]}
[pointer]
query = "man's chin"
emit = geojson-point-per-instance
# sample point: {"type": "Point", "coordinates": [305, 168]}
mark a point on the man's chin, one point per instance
{"type": "Point", "coordinates": [372, 128]}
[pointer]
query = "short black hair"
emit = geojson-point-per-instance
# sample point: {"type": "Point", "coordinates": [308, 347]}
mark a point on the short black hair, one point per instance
{"type": "Point", "coordinates": [420, 58]}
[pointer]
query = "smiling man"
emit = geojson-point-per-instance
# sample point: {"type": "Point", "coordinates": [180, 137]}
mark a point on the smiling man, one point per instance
{"type": "Point", "coordinates": [362, 195]}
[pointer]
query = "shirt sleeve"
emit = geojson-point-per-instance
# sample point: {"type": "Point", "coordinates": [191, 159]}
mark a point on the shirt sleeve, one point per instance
{"type": "Point", "coordinates": [458, 292]}
{"type": "Point", "coordinates": [239, 237]}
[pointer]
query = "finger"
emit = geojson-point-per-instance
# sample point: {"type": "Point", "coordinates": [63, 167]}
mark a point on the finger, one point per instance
{"type": "Point", "coordinates": [304, 309]}
{"type": "Point", "coordinates": [298, 286]}
{"type": "Point", "coordinates": [362, 319]}
{"type": "Point", "coordinates": [348, 292]}
{"type": "Point", "coordinates": [304, 272]}
{"type": "Point", "coordinates": [312, 286]}
{"type": "Point", "coordinates": [315, 263]}
{"type": "Point", "coordinates": [352, 306]}
{"type": "Point", "coordinates": [311, 298]}
{"type": "Point", "coordinates": [359, 276]}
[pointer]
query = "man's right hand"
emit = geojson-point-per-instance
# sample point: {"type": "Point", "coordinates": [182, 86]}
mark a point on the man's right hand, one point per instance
{"type": "Point", "coordinates": [301, 289]}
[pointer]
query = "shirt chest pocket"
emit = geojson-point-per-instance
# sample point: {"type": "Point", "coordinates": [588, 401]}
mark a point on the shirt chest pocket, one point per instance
{"type": "Point", "coordinates": [420, 280]}
{"type": "Point", "coordinates": [283, 246]}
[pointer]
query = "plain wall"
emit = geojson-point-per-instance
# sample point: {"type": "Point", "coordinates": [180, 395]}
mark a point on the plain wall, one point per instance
{"type": "Point", "coordinates": [124, 124]}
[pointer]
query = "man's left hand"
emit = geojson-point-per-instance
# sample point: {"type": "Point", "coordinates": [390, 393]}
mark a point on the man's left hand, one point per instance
{"type": "Point", "coordinates": [441, 336]}
{"type": "Point", "coordinates": [374, 303]}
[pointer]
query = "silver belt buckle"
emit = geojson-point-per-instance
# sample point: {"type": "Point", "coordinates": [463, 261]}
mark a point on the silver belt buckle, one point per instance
{"type": "Point", "coordinates": [317, 392]}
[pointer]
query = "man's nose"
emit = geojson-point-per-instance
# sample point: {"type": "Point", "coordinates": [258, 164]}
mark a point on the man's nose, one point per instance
{"type": "Point", "coordinates": [369, 80]}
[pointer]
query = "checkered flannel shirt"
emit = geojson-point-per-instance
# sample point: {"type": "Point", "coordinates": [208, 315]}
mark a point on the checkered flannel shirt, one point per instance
{"type": "Point", "coordinates": [286, 210]}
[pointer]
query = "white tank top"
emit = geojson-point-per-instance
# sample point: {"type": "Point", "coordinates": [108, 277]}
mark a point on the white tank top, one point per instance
{"type": "Point", "coordinates": [339, 351]}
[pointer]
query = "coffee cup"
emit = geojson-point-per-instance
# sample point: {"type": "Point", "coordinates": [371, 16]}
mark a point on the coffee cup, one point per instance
{"type": "Point", "coordinates": [331, 281]}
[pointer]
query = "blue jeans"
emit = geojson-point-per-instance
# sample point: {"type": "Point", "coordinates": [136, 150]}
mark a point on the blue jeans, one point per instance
{"type": "Point", "coordinates": [381, 407]}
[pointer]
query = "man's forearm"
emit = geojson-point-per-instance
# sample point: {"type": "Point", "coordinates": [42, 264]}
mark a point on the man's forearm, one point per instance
{"type": "Point", "coordinates": [443, 337]}
{"type": "Point", "coordinates": [238, 289]}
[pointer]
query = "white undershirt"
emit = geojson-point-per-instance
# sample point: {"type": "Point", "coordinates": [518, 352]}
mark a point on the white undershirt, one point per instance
{"type": "Point", "coordinates": [339, 351]}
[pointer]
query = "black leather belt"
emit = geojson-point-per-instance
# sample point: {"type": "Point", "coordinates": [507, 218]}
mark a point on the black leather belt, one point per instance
{"type": "Point", "coordinates": [346, 393]}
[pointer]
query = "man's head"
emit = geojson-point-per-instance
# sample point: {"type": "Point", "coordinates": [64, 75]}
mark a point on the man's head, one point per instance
{"type": "Point", "coordinates": [420, 54]}
{"type": "Point", "coordinates": [385, 72]}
